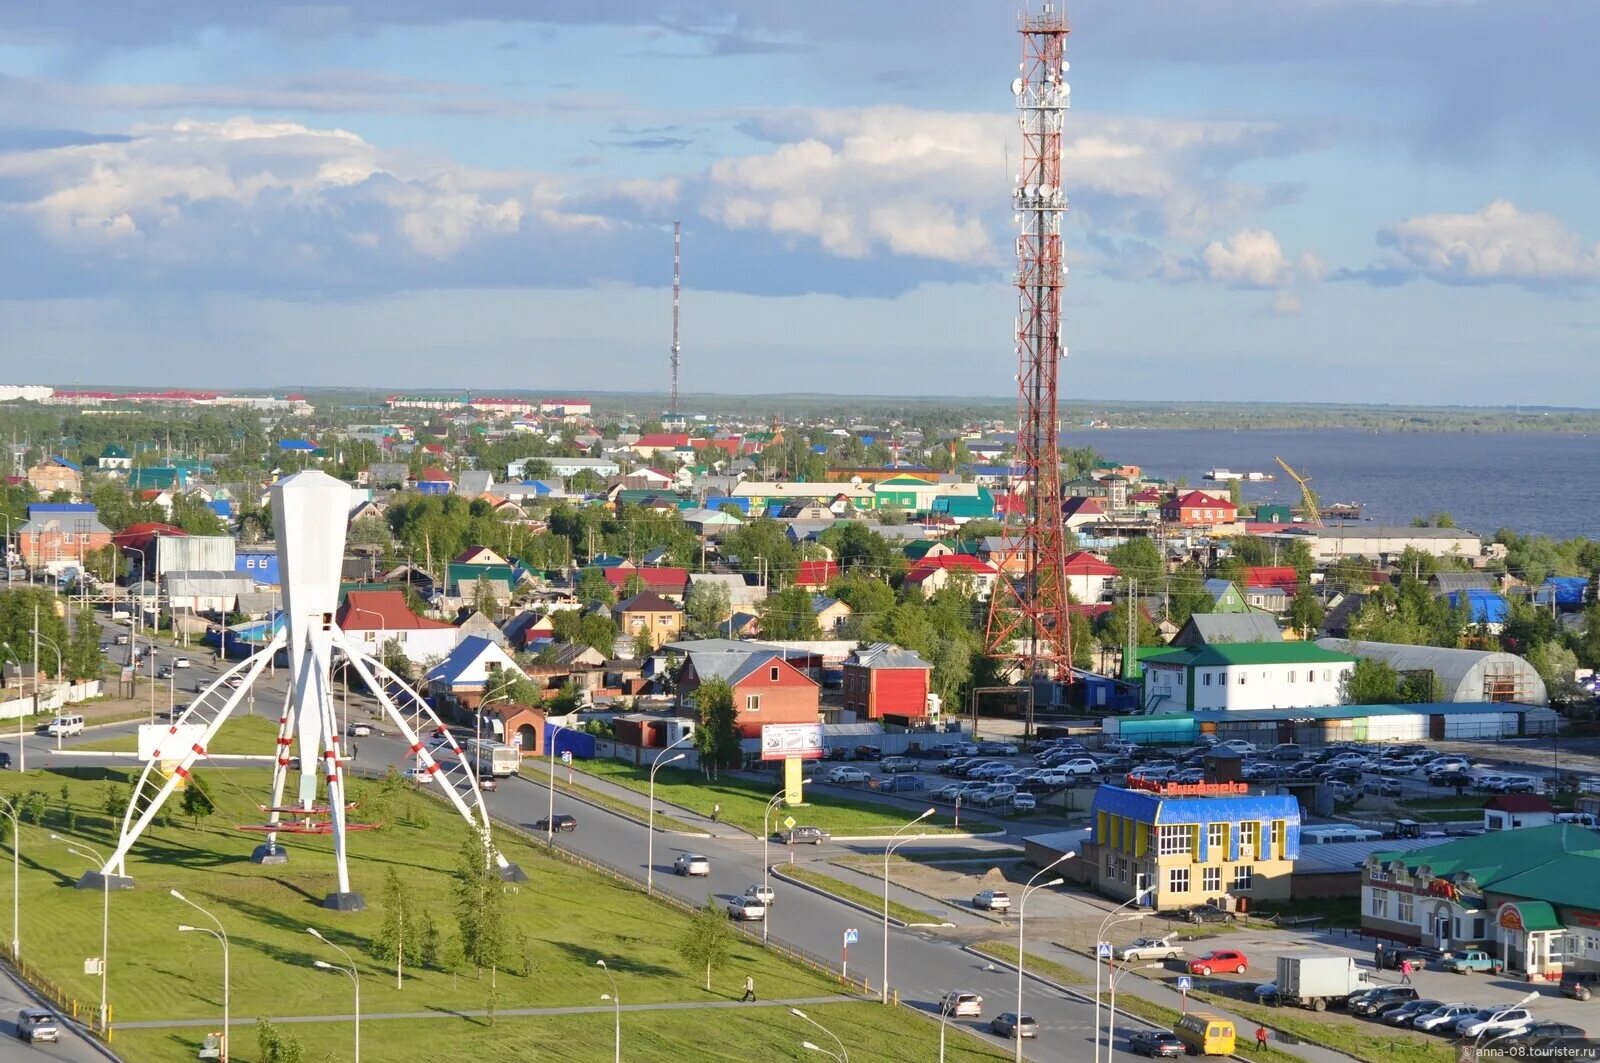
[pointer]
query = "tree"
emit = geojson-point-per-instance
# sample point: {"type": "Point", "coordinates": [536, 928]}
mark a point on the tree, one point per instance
{"type": "Point", "coordinates": [716, 735]}
{"type": "Point", "coordinates": [407, 933]}
{"type": "Point", "coordinates": [274, 1047]}
{"type": "Point", "coordinates": [855, 545]}
{"type": "Point", "coordinates": [1138, 559]}
{"type": "Point", "coordinates": [708, 939]}
{"type": "Point", "coordinates": [1186, 593]}
{"type": "Point", "coordinates": [84, 660]}
{"type": "Point", "coordinates": [394, 658]}
{"type": "Point", "coordinates": [1558, 667]}
{"type": "Point", "coordinates": [1421, 688]}
{"type": "Point", "coordinates": [479, 894]}
{"type": "Point", "coordinates": [705, 609]}
{"type": "Point", "coordinates": [634, 585]}
{"type": "Point", "coordinates": [510, 686]}
{"type": "Point", "coordinates": [585, 628]}
{"type": "Point", "coordinates": [787, 615]}
{"type": "Point", "coordinates": [1372, 682]}
{"type": "Point", "coordinates": [1113, 629]}
{"type": "Point", "coordinates": [195, 516]}
{"type": "Point", "coordinates": [197, 804]}
{"type": "Point", "coordinates": [483, 598]}
{"type": "Point", "coordinates": [107, 564]}
{"type": "Point", "coordinates": [592, 586]}
{"type": "Point", "coordinates": [1305, 612]}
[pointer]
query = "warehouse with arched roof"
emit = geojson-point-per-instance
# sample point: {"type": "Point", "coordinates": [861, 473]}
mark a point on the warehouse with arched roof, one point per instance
{"type": "Point", "coordinates": [1466, 675]}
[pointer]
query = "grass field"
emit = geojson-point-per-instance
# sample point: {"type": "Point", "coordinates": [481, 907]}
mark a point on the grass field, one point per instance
{"type": "Point", "coordinates": [568, 918]}
{"type": "Point", "coordinates": [621, 806]}
{"type": "Point", "coordinates": [744, 801]}
{"type": "Point", "coordinates": [851, 892]}
{"type": "Point", "coordinates": [241, 734]}
{"type": "Point", "coordinates": [870, 1032]}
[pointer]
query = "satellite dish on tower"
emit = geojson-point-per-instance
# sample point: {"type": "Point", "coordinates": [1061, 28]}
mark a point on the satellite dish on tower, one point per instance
{"type": "Point", "coordinates": [1016, 87]}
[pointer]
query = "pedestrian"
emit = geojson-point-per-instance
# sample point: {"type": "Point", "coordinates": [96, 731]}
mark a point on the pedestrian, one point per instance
{"type": "Point", "coordinates": [1377, 956]}
{"type": "Point", "coordinates": [749, 988]}
{"type": "Point", "coordinates": [1261, 1037]}
{"type": "Point", "coordinates": [716, 810]}
{"type": "Point", "coordinates": [1405, 972]}
{"type": "Point", "coordinates": [355, 750]}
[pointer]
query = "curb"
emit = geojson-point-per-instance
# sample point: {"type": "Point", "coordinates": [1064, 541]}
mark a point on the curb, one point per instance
{"type": "Point", "coordinates": [640, 819]}
{"type": "Point", "coordinates": [819, 891]}
{"type": "Point", "coordinates": [992, 917]}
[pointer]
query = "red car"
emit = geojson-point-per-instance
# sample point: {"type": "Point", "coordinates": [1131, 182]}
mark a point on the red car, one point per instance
{"type": "Point", "coordinates": [1219, 960]}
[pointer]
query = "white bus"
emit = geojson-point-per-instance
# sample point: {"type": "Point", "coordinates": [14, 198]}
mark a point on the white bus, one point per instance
{"type": "Point", "coordinates": [492, 758]}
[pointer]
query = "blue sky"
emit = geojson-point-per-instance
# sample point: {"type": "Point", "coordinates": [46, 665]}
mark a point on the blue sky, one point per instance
{"type": "Point", "coordinates": [1337, 200]}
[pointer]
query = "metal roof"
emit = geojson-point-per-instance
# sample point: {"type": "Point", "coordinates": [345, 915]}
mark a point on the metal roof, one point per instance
{"type": "Point", "coordinates": [1557, 863]}
{"type": "Point", "coordinates": [1230, 654]}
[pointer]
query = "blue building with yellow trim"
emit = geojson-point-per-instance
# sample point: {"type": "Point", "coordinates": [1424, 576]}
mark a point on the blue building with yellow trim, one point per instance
{"type": "Point", "coordinates": [1208, 842]}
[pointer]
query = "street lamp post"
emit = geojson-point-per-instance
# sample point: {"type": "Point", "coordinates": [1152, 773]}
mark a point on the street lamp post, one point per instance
{"type": "Point", "coordinates": [1099, 936]}
{"type": "Point", "coordinates": [16, 860]}
{"type": "Point", "coordinates": [1111, 1019]}
{"type": "Point", "coordinates": [944, 1014]}
{"type": "Point", "coordinates": [650, 828]}
{"type": "Point", "coordinates": [616, 1011]}
{"type": "Point", "coordinates": [94, 857]}
{"type": "Point", "coordinates": [1022, 915]}
{"type": "Point", "coordinates": [383, 639]}
{"type": "Point", "coordinates": [355, 979]}
{"type": "Point", "coordinates": [843, 1056]}
{"type": "Point", "coordinates": [766, 860]}
{"type": "Point", "coordinates": [550, 814]}
{"type": "Point", "coordinates": [22, 746]}
{"type": "Point", "coordinates": [60, 670]}
{"type": "Point", "coordinates": [894, 843]}
{"type": "Point", "coordinates": [1524, 1002]}
{"type": "Point", "coordinates": [222, 936]}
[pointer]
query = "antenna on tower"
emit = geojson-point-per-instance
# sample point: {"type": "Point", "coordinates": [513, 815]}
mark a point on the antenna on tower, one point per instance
{"type": "Point", "coordinates": [677, 297]}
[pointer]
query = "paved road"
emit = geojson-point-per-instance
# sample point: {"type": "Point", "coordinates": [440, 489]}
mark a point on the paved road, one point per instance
{"type": "Point", "coordinates": [72, 1046]}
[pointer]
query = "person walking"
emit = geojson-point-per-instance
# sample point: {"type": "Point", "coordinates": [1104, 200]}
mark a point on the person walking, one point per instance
{"type": "Point", "coordinates": [716, 812]}
{"type": "Point", "coordinates": [1405, 972]}
{"type": "Point", "coordinates": [1261, 1037]}
{"type": "Point", "coordinates": [749, 988]}
{"type": "Point", "coordinates": [1377, 956]}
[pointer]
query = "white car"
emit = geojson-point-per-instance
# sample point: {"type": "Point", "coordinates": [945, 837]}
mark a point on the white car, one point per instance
{"type": "Point", "coordinates": [1150, 949]}
{"type": "Point", "coordinates": [992, 901]}
{"type": "Point", "coordinates": [848, 775]}
{"type": "Point", "coordinates": [1077, 766]}
{"type": "Point", "coordinates": [957, 1003]}
{"type": "Point", "coordinates": [1443, 1019]}
{"type": "Point", "coordinates": [1023, 802]}
{"type": "Point", "coordinates": [765, 894]}
{"type": "Point", "coordinates": [181, 662]}
{"type": "Point", "coordinates": [1239, 746]}
{"type": "Point", "coordinates": [359, 730]}
{"type": "Point", "coordinates": [417, 774]}
{"type": "Point", "coordinates": [1487, 1022]}
{"type": "Point", "coordinates": [747, 908]}
{"type": "Point", "coordinates": [1448, 763]}
{"type": "Point", "coordinates": [691, 864]}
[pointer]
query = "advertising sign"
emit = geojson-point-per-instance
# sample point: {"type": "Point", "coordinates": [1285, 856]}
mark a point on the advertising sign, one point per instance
{"type": "Point", "coordinates": [781, 741]}
{"type": "Point", "coordinates": [159, 738]}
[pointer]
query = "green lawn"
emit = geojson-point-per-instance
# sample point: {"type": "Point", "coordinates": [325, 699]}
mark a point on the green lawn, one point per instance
{"type": "Point", "coordinates": [241, 734]}
{"type": "Point", "coordinates": [870, 1032]}
{"type": "Point", "coordinates": [621, 806]}
{"type": "Point", "coordinates": [569, 917]}
{"type": "Point", "coordinates": [744, 801]}
{"type": "Point", "coordinates": [851, 892]}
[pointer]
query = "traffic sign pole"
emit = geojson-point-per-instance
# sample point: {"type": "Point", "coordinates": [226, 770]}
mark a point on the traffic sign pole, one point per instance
{"type": "Point", "coordinates": [850, 935]}
{"type": "Point", "coordinates": [1184, 983]}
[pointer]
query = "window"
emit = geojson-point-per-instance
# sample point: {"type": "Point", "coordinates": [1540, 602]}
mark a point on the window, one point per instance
{"type": "Point", "coordinates": [1478, 928]}
{"type": "Point", "coordinates": [1380, 903]}
{"type": "Point", "coordinates": [1217, 840]}
{"type": "Point", "coordinates": [1180, 678]}
{"type": "Point", "coordinates": [1174, 839]}
{"type": "Point", "coordinates": [1249, 831]}
{"type": "Point", "coordinates": [1178, 880]}
{"type": "Point", "coordinates": [1111, 865]}
{"type": "Point", "coordinates": [752, 703]}
{"type": "Point", "coordinates": [1406, 907]}
{"type": "Point", "coordinates": [1208, 679]}
{"type": "Point", "coordinates": [1211, 880]}
{"type": "Point", "coordinates": [773, 675]}
{"type": "Point", "coordinates": [1242, 678]}
{"type": "Point", "coordinates": [1277, 839]}
{"type": "Point", "coordinates": [1291, 675]}
{"type": "Point", "coordinates": [1122, 869]}
{"type": "Point", "coordinates": [1244, 878]}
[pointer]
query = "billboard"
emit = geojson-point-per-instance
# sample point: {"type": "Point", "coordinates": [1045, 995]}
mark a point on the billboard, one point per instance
{"type": "Point", "coordinates": [781, 741]}
{"type": "Point", "coordinates": [159, 737]}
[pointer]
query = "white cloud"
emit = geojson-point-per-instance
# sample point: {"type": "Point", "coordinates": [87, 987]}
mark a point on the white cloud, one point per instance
{"type": "Point", "coordinates": [1249, 259]}
{"type": "Point", "coordinates": [1286, 305]}
{"type": "Point", "coordinates": [1498, 243]}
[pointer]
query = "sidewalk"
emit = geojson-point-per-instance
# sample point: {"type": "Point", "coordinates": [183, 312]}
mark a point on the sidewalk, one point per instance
{"type": "Point", "coordinates": [500, 1013]}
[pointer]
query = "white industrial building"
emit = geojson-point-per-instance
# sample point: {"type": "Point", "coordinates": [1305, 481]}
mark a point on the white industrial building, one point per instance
{"type": "Point", "coordinates": [1467, 675]}
{"type": "Point", "coordinates": [1379, 542]}
{"type": "Point", "coordinates": [1252, 675]}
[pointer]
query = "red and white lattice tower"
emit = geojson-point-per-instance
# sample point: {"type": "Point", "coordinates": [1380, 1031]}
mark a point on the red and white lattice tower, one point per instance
{"type": "Point", "coordinates": [677, 298]}
{"type": "Point", "coordinates": [1029, 622]}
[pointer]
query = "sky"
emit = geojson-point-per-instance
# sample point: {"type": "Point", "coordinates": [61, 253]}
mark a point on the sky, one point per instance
{"type": "Point", "coordinates": [1274, 200]}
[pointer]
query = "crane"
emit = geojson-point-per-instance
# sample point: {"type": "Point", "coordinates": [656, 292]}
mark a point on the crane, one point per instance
{"type": "Point", "coordinates": [1308, 497]}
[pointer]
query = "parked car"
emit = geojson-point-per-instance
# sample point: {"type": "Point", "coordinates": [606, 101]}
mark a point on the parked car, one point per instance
{"type": "Point", "coordinates": [997, 794]}
{"type": "Point", "coordinates": [1443, 1019]}
{"type": "Point", "coordinates": [992, 900]}
{"type": "Point", "coordinates": [359, 730]}
{"type": "Point", "coordinates": [417, 774]}
{"type": "Point", "coordinates": [1487, 1022]}
{"type": "Point", "coordinates": [1206, 913]}
{"type": "Point", "coordinates": [1579, 985]}
{"type": "Point", "coordinates": [868, 753]}
{"type": "Point", "coordinates": [1150, 949]}
{"type": "Point", "coordinates": [997, 749]}
{"type": "Point", "coordinates": [1284, 752]}
{"type": "Point", "coordinates": [802, 836]}
{"type": "Point", "coordinates": [1007, 1025]}
{"type": "Point", "coordinates": [1023, 802]}
{"type": "Point", "coordinates": [890, 765]}
{"type": "Point", "coordinates": [746, 908]}
{"type": "Point", "coordinates": [847, 775]}
{"type": "Point", "coordinates": [1162, 1044]}
{"type": "Point", "coordinates": [1194, 775]}
{"type": "Point", "coordinates": [36, 1024]}
{"type": "Point", "coordinates": [1237, 745]}
{"type": "Point", "coordinates": [1219, 960]}
{"type": "Point", "coordinates": [1449, 778]}
{"type": "Point", "coordinates": [960, 1003]}
{"type": "Point", "coordinates": [691, 864]}
{"type": "Point", "coordinates": [1475, 960]}
{"type": "Point", "coordinates": [1371, 1001]}
{"type": "Point", "coordinates": [1547, 1035]}
{"type": "Point", "coordinates": [947, 793]}
{"type": "Point", "coordinates": [1393, 958]}
{"type": "Point", "coordinates": [1077, 766]}
{"type": "Point", "coordinates": [1383, 787]}
{"type": "Point", "coordinates": [1402, 1014]}
{"type": "Point", "coordinates": [901, 783]}
{"type": "Point", "coordinates": [560, 824]}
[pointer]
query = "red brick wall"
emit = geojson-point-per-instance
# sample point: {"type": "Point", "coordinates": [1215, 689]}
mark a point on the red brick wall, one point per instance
{"type": "Point", "coordinates": [898, 692]}
{"type": "Point", "coordinates": [791, 698]}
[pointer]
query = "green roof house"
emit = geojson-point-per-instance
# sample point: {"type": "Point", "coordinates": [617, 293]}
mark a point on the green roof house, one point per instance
{"type": "Point", "coordinates": [1245, 675]}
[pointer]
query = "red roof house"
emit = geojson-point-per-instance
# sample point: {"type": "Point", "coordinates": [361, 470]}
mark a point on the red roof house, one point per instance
{"type": "Point", "coordinates": [816, 575]}
{"type": "Point", "coordinates": [665, 581]}
{"type": "Point", "coordinates": [1089, 575]}
{"type": "Point", "coordinates": [934, 573]}
{"type": "Point", "coordinates": [376, 617]}
{"type": "Point", "coordinates": [1198, 509]}
{"type": "Point", "coordinates": [1282, 577]}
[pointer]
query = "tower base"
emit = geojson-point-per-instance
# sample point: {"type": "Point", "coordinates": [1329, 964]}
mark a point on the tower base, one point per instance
{"type": "Point", "coordinates": [269, 854]}
{"type": "Point", "coordinates": [345, 902]}
{"type": "Point", "coordinates": [95, 880]}
{"type": "Point", "coordinates": [513, 873]}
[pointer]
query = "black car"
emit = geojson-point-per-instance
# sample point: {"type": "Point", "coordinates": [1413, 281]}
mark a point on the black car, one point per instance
{"type": "Point", "coordinates": [1579, 985]}
{"type": "Point", "coordinates": [1548, 1035]}
{"type": "Point", "coordinates": [1450, 778]}
{"type": "Point", "coordinates": [1352, 776]}
{"type": "Point", "coordinates": [1392, 958]}
{"type": "Point", "coordinates": [868, 753]}
{"type": "Point", "coordinates": [1155, 1043]}
{"type": "Point", "coordinates": [1371, 1001]}
{"type": "Point", "coordinates": [1206, 913]}
{"type": "Point", "coordinates": [5, 760]}
{"type": "Point", "coordinates": [560, 824]}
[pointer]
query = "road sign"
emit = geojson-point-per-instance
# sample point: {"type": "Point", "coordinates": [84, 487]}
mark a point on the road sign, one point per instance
{"type": "Point", "coordinates": [566, 757]}
{"type": "Point", "coordinates": [93, 965]}
{"type": "Point", "coordinates": [789, 822]}
{"type": "Point", "coordinates": [1184, 983]}
{"type": "Point", "coordinates": [852, 936]}
{"type": "Point", "coordinates": [1103, 950]}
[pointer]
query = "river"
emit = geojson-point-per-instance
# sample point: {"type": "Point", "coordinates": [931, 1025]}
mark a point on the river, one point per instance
{"type": "Point", "coordinates": [1530, 482]}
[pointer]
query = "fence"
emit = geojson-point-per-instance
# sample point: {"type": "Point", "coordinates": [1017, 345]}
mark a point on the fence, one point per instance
{"type": "Point", "coordinates": [84, 1013]}
{"type": "Point", "coordinates": [50, 700]}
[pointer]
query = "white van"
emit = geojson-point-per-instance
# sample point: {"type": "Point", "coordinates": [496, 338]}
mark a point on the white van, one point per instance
{"type": "Point", "coordinates": [121, 614]}
{"type": "Point", "coordinates": [63, 726]}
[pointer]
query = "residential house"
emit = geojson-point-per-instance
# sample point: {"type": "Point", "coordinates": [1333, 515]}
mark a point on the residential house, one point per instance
{"type": "Point", "coordinates": [652, 443]}
{"type": "Point", "coordinates": [260, 564]}
{"type": "Point", "coordinates": [1198, 509]}
{"type": "Point", "coordinates": [56, 474]}
{"type": "Point", "coordinates": [1212, 628]}
{"type": "Point", "coordinates": [1485, 609]}
{"type": "Point", "coordinates": [651, 619]}
{"type": "Point", "coordinates": [1089, 576]}
{"type": "Point", "coordinates": [742, 594]}
{"type": "Point", "coordinates": [375, 618]}
{"type": "Point", "coordinates": [1282, 577]}
{"type": "Point", "coordinates": [457, 683]}
{"type": "Point", "coordinates": [1082, 512]}
{"type": "Point", "coordinates": [395, 474]}
{"type": "Point", "coordinates": [918, 549]}
{"type": "Point", "coordinates": [767, 688]}
{"type": "Point", "coordinates": [60, 535]}
{"type": "Point", "coordinates": [1268, 599]}
{"type": "Point", "coordinates": [762, 493]}
{"type": "Point", "coordinates": [932, 575]}
{"type": "Point", "coordinates": [1254, 675]}
{"type": "Point", "coordinates": [711, 523]}
{"type": "Point", "coordinates": [434, 481]}
{"type": "Point", "coordinates": [1515, 811]}
{"type": "Point", "coordinates": [1225, 597]}
{"type": "Point", "coordinates": [528, 629]}
{"type": "Point", "coordinates": [114, 459]}
{"type": "Point", "coordinates": [815, 575]}
{"type": "Point", "coordinates": [479, 555]}
{"type": "Point", "coordinates": [475, 623]}
{"type": "Point", "coordinates": [667, 581]}
{"type": "Point", "coordinates": [830, 613]}
{"type": "Point", "coordinates": [883, 680]}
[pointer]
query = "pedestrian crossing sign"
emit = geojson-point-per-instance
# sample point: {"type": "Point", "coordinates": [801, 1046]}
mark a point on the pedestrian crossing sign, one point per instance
{"type": "Point", "coordinates": [1184, 983]}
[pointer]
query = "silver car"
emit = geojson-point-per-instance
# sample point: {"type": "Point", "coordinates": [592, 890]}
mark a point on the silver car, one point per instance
{"type": "Point", "coordinates": [691, 864]}
{"type": "Point", "coordinates": [36, 1024]}
{"type": "Point", "coordinates": [992, 901]}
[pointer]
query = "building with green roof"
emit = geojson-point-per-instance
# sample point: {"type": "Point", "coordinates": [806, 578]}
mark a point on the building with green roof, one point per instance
{"type": "Point", "coordinates": [1244, 675]}
{"type": "Point", "coordinates": [1528, 897]}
